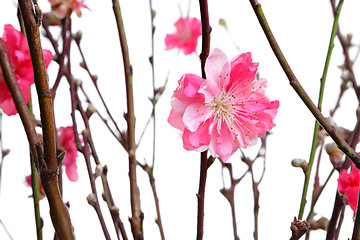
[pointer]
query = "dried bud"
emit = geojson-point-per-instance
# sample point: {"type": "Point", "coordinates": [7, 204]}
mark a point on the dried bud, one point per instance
{"type": "Point", "coordinates": [299, 227]}
{"type": "Point", "coordinates": [321, 223]}
{"type": "Point", "coordinates": [94, 77]}
{"type": "Point", "coordinates": [5, 152]}
{"type": "Point", "coordinates": [222, 22]}
{"type": "Point", "coordinates": [301, 163]}
{"type": "Point", "coordinates": [78, 36]}
{"type": "Point", "coordinates": [82, 64]}
{"type": "Point", "coordinates": [98, 170]}
{"type": "Point", "coordinates": [90, 110]}
{"type": "Point", "coordinates": [77, 82]}
{"type": "Point", "coordinates": [86, 133]}
{"type": "Point", "coordinates": [91, 199]}
{"type": "Point", "coordinates": [153, 13]}
{"type": "Point", "coordinates": [335, 155]}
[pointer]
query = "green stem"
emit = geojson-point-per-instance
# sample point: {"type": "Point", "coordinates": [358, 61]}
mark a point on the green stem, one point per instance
{"type": "Point", "coordinates": [321, 94]}
{"type": "Point", "coordinates": [36, 198]}
{"type": "Point", "coordinates": [35, 186]}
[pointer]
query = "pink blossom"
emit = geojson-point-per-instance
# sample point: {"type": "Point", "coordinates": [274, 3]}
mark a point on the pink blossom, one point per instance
{"type": "Point", "coordinates": [41, 188]}
{"type": "Point", "coordinates": [67, 142]}
{"type": "Point", "coordinates": [188, 30]}
{"type": "Point", "coordinates": [348, 185]}
{"type": "Point", "coordinates": [18, 51]}
{"type": "Point", "coordinates": [62, 7]}
{"type": "Point", "coordinates": [227, 110]}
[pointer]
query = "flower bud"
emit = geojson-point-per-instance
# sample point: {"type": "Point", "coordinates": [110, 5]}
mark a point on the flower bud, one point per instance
{"type": "Point", "coordinates": [90, 110]}
{"type": "Point", "coordinates": [335, 155]}
{"type": "Point", "coordinates": [78, 36]}
{"type": "Point", "coordinates": [91, 199]}
{"type": "Point", "coordinates": [98, 170]}
{"type": "Point", "coordinates": [82, 64]}
{"type": "Point", "coordinates": [222, 23]}
{"type": "Point", "coordinates": [301, 163]}
{"type": "Point", "coordinates": [321, 223]}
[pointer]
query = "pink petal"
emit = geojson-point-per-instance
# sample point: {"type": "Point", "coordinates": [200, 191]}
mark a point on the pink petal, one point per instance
{"type": "Point", "coordinates": [225, 143]}
{"type": "Point", "coordinates": [71, 172]}
{"type": "Point", "coordinates": [187, 93]}
{"type": "Point", "coordinates": [198, 138]}
{"type": "Point", "coordinates": [194, 115]}
{"type": "Point", "coordinates": [351, 197]}
{"type": "Point", "coordinates": [217, 70]}
{"type": "Point", "coordinates": [176, 121]}
{"type": "Point", "coordinates": [242, 68]}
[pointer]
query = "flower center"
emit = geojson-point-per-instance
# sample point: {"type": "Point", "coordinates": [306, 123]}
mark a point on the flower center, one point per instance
{"type": "Point", "coordinates": [223, 106]}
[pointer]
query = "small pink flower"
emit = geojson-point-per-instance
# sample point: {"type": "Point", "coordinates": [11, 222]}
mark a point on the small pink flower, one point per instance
{"type": "Point", "coordinates": [41, 189]}
{"type": "Point", "coordinates": [227, 110]}
{"type": "Point", "coordinates": [348, 185]}
{"type": "Point", "coordinates": [62, 7]}
{"type": "Point", "coordinates": [188, 30]}
{"type": "Point", "coordinates": [20, 60]}
{"type": "Point", "coordinates": [67, 141]}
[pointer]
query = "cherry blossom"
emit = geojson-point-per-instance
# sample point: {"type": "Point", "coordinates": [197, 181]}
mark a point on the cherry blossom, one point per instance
{"type": "Point", "coordinates": [185, 38]}
{"type": "Point", "coordinates": [20, 60]}
{"type": "Point", "coordinates": [227, 110]}
{"type": "Point", "coordinates": [63, 7]}
{"type": "Point", "coordinates": [348, 185]}
{"type": "Point", "coordinates": [67, 142]}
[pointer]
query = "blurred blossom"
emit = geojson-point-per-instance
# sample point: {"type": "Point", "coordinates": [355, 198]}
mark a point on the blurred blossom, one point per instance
{"type": "Point", "coordinates": [63, 7]}
{"type": "Point", "coordinates": [67, 142]}
{"type": "Point", "coordinates": [348, 186]}
{"type": "Point", "coordinates": [227, 110]}
{"type": "Point", "coordinates": [41, 189]}
{"type": "Point", "coordinates": [20, 60]}
{"type": "Point", "coordinates": [186, 35]}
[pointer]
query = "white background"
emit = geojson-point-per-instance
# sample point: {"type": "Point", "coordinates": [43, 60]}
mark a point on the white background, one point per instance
{"type": "Point", "coordinates": [302, 29]}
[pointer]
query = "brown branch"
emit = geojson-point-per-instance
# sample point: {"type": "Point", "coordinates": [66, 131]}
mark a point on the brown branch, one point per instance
{"type": "Point", "coordinates": [58, 211]}
{"type": "Point", "coordinates": [206, 29]}
{"type": "Point", "coordinates": [345, 44]}
{"type": "Point", "coordinates": [137, 215]}
{"type": "Point", "coordinates": [114, 211]}
{"type": "Point", "coordinates": [201, 195]}
{"type": "Point", "coordinates": [149, 171]}
{"type": "Point", "coordinates": [229, 193]}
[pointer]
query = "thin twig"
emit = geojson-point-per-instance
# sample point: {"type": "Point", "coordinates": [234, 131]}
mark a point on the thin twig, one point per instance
{"type": "Point", "coordinates": [137, 215]}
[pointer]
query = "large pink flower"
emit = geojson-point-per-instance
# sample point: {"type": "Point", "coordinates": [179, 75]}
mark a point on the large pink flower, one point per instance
{"type": "Point", "coordinates": [67, 141]}
{"type": "Point", "coordinates": [62, 7]}
{"type": "Point", "coordinates": [227, 110]}
{"type": "Point", "coordinates": [18, 51]}
{"type": "Point", "coordinates": [188, 30]}
{"type": "Point", "coordinates": [348, 185]}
